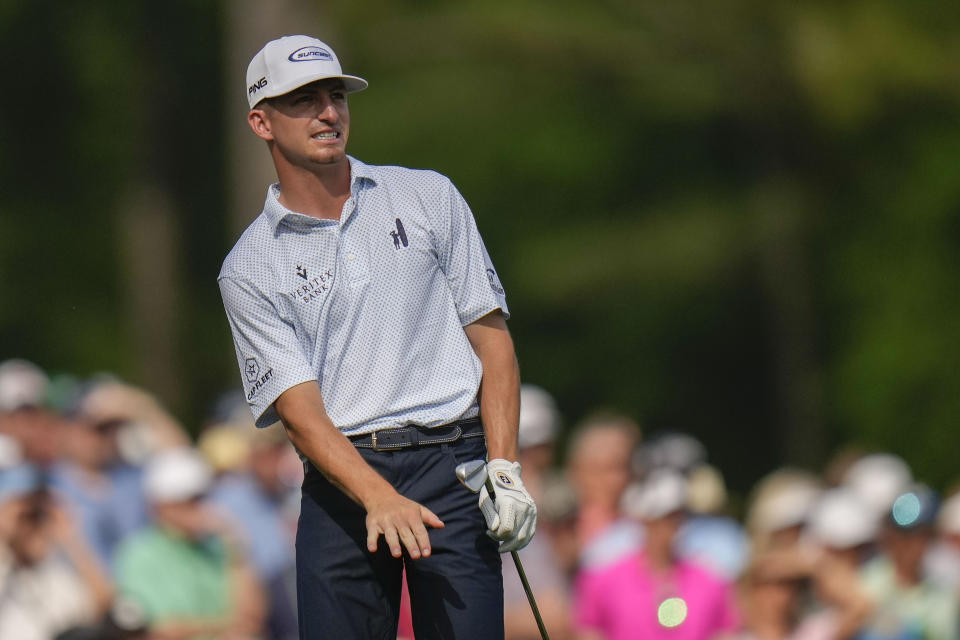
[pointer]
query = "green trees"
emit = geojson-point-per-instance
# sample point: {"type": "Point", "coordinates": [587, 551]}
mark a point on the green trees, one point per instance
{"type": "Point", "coordinates": [738, 219]}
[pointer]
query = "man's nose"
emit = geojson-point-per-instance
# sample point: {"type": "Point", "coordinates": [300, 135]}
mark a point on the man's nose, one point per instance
{"type": "Point", "coordinates": [327, 110]}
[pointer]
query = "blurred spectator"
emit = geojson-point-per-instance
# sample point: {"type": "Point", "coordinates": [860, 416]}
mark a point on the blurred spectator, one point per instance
{"type": "Point", "coordinates": [779, 506]}
{"type": "Point", "coordinates": [878, 478]}
{"type": "Point", "coordinates": [104, 493]}
{"type": "Point", "coordinates": [775, 594]}
{"type": "Point", "coordinates": [709, 537]}
{"type": "Point", "coordinates": [257, 496]}
{"type": "Point", "coordinates": [907, 604]}
{"type": "Point", "coordinates": [50, 580]}
{"type": "Point", "coordinates": [185, 570]}
{"type": "Point", "coordinates": [539, 424]}
{"type": "Point", "coordinates": [599, 470]}
{"type": "Point", "coordinates": [942, 562]}
{"type": "Point", "coordinates": [124, 621]}
{"type": "Point", "coordinates": [810, 545]}
{"type": "Point", "coordinates": [843, 527]}
{"type": "Point", "coordinates": [24, 416]}
{"type": "Point", "coordinates": [15, 474]}
{"type": "Point", "coordinates": [653, 593]}
{"type": "Point", "coordinates": [680, 452]}
{"type": "Point", "coordinates": [146, 426]}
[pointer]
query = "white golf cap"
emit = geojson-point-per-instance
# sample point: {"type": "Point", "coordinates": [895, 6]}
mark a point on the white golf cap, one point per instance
{"type": "Point", "coordinates": [663, 492]}
{"type": "Point", "coordinates": [293, 61]}
{"type": "Point", "coordinates": [878, 479]}
{"type": "Point", "coordinates": [539, 417]}
{"type": "Point", "coordinates": [841, 519]}
{"type": "Point", "coordinates": [22, 384]}
{"type": "Point", "coordinates": [783, 500]}
{"type": "Point", "coordinates": [177, 475]}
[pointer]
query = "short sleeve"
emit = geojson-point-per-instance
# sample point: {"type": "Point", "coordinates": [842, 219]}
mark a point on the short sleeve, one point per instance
{"type": "Point", "coordinates": [268, 353]}
{"type": "Point", "coordinates": [470, 273]}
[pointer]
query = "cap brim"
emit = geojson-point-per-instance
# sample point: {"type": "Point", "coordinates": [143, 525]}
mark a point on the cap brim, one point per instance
{"type": "Point", "coordinates": [351, 84]}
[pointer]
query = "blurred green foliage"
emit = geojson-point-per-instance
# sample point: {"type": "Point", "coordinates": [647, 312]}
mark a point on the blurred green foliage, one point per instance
{"type": "Point", "coordinates": [738, 219]}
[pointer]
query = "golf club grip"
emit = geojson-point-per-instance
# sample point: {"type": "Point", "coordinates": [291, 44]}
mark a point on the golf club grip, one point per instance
{"type": "Point", "coordinates": [523, 577]}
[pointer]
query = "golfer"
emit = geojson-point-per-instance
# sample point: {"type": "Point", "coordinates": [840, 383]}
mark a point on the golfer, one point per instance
{"type": "Point", "coordinates": [368, 318]}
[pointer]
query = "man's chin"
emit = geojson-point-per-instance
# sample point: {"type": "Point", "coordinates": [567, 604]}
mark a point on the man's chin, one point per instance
{"type": "Point", "coordinates": [329, 157]}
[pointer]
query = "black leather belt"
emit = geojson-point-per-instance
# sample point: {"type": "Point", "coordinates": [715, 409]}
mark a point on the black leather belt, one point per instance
{"type": "Point", "coordinates": [415, 436]}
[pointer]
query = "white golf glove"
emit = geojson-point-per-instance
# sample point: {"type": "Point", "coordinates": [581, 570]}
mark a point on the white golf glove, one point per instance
{"type": "Point", "coordinates": [512, 516]}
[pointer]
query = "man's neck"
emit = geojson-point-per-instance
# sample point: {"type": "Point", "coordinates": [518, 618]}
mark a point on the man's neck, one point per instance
{"type": "Point", "coordinates": [320, 193]}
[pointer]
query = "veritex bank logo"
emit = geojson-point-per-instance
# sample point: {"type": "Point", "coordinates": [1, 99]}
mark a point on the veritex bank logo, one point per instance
{"type": "Point", "coordinates": [307, 54]}
{"type": "Point", "coordinates": [312, 288]}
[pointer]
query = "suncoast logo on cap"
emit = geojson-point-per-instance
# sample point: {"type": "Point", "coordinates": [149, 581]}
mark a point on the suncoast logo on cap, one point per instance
{"type": "Point", "coordinates": [306, 54]}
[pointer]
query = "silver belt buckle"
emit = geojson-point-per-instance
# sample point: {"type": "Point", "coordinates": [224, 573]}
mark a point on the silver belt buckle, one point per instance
{"type": "Point", "coordinates": [373, 441]}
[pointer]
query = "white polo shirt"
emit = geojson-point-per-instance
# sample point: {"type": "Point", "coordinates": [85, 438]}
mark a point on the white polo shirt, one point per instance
{"type": "Point", "coordinates": [371, 306]}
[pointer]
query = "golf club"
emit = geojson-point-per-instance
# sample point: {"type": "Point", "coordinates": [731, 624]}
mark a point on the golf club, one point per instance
{"type": "Point", "coordinates": [473, 475]}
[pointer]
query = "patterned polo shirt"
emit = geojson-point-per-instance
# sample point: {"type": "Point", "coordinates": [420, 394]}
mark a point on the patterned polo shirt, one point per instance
{"type": "Point", "coordinates": [371, 306]}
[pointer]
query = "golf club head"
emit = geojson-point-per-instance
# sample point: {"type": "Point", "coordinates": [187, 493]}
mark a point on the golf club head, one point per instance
{"type": "Point", "coordinates": [472, 474]}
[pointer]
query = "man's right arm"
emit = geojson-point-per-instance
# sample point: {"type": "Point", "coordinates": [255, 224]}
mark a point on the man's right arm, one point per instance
{"type": "Point", "coordinates": [399, 520]}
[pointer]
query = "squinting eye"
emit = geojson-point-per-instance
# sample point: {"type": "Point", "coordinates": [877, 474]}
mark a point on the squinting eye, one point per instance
{"type": "Point", "coordinates": [338, 95]}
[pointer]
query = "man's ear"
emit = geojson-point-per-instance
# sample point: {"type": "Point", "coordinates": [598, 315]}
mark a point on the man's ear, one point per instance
{"type": "Point", "coordinates": [259, 122]}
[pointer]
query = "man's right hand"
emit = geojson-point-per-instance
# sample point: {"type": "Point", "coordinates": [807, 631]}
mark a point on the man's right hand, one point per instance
{"type": "Point", "coordinates": [401, 523]}
{"type": "Point", "coordinates": [399, 520]}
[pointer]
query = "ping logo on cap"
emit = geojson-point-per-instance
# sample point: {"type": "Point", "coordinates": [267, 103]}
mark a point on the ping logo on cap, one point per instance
{"type": "Point", "coordinates": [307, 54]}
{"type": "Point", "coordinates": [259, 84]}
{"type": "Point", "coordinates": [504, 478]}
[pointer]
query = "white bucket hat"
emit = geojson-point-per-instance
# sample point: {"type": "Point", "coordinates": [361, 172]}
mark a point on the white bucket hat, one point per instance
{"type": "Point", "coordinates": [293, 61]}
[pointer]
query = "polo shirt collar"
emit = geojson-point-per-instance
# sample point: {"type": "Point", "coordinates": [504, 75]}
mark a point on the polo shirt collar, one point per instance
{"type": "Point", "coordinates": [276, 212]}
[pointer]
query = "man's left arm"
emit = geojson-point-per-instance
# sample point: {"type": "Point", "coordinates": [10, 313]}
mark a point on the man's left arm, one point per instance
{"type": "Point", "coordinates": [511, 515]}
{"type": "Point", "coordinates": [499, 394]}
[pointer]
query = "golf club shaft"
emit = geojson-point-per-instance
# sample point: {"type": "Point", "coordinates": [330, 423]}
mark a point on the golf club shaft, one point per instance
{"type": "Point", "coordinates": [523, 578]}
{"type": "Point", "coordinates": [529, 592]}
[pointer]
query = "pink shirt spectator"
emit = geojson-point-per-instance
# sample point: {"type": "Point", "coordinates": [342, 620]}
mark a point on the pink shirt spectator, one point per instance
{"type": "Point", "coordinates": [622, 601]}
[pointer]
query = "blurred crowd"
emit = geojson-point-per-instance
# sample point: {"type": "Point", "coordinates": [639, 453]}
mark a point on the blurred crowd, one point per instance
{"type": "Point", "coordinates": [115, 524]}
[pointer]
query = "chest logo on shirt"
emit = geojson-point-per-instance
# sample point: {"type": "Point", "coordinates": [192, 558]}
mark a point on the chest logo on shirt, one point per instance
{"type": "Point", "coordinates": [313, 288]}
{"type": "Point", "coordinates": [399, 236]}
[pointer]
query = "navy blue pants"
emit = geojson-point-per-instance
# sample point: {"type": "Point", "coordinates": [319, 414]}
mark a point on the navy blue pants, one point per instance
{"type": "Point", "coordinates": [344, 592]}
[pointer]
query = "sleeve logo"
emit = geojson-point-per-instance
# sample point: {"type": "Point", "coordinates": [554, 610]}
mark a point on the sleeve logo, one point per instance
{"type": "Point", "coordinates": [251, 369]}
{"type": "Point", "coordinates": [494, 282]}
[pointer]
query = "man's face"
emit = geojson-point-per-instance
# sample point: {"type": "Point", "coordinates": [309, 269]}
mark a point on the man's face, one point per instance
{"type": "Point", "coordinates": [309, 125]}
